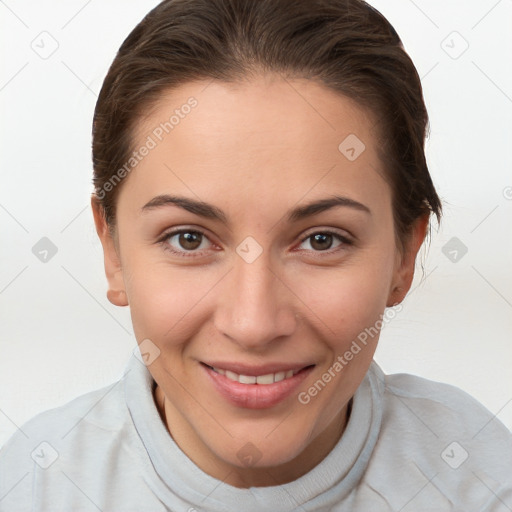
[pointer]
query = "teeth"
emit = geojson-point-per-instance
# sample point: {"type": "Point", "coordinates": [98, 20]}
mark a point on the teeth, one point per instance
{"type": "Point", "coordinates": [263, 379]}
{"type": "Point", "coordinates": [246, 379]}
{"type": "Point", "coordinates": [279, 376]}
{"type": "Point", "coordinates": [269, 378]}
{"type": "Point", "coordinates": [230, 375]}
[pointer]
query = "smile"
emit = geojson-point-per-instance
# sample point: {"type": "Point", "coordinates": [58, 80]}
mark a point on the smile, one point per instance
{"type": "Point", "coordinates": [268, 378]}
{"type": "Point", "coordinates": [255, 388]}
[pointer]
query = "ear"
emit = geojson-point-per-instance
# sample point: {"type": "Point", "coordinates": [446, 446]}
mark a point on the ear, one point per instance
{"type": "Point", "coordinates": [404, 267]}
{"type": "Point", "coordinates": [116, 293]}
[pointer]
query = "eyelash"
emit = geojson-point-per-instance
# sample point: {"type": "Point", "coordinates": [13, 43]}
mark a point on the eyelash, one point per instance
{"type": "Point", "coordinates": [194, 254]}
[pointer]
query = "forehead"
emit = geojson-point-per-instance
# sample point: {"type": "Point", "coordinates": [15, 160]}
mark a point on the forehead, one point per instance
{"type": "Point", "coordinates": [268, 109]}
{"type": "Point", "coordinates": [267, 135]}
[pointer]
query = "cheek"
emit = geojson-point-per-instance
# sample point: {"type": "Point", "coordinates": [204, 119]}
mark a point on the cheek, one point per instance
{"type": "Point", "coordinates": [348, 307]}
{"type": "Point", "coordinates": [165, 303]}
{"type": "Point", "coordinates": [343, 302]}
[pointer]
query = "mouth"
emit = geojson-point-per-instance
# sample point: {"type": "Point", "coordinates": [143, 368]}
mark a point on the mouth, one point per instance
{"type": "Point", "coordinates": [265, 379]}
{"type": "Point", "coordinates": [255, 387]}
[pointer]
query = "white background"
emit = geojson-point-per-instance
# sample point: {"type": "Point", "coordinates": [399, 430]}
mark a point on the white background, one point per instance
{"type": "Point", "coordinates": [60, 337]}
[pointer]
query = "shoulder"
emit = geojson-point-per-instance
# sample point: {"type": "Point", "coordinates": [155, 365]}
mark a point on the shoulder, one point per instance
{"type": "Point", "coordinates": [441, 407]}
{"type": "Point", "coordinates": [426, 411]}
{"type": "Point", "coordinates": [82, 429]}
{"type": "Point", "coordinates": [437, 437]}
{"type": "Point", "coordinates": [100, 409]}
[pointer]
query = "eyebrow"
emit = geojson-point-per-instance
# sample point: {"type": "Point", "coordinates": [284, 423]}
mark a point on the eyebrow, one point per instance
{"type": "Point", "coordinates": [210, 211]}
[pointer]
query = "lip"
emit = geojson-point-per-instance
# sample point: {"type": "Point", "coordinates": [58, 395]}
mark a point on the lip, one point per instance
{"type": "Point", "coordinates": [255, 396]}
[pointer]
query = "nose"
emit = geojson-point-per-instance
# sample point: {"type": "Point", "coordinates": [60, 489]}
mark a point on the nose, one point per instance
{"type": "Point", "coordinates": [255, 307]}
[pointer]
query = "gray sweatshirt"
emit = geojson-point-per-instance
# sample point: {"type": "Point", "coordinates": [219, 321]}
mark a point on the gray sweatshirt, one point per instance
{"type": "Point", "coordinates": [410, 445]}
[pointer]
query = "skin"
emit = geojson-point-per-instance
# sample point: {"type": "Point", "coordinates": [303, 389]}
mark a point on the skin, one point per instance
{"type": "Point", "coordinates": [256, 150]}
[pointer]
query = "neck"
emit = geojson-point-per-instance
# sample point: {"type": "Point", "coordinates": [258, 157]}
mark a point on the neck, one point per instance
{"type": "Point", "coordinates": [243, 477]}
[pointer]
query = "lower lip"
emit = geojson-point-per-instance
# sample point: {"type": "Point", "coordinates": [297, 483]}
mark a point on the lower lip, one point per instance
{"type": "Point", "coordinates": [255, 396]}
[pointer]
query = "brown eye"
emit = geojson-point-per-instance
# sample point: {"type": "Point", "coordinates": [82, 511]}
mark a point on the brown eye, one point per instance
{"type": "Point", "coordinates": [321, 241]}
{"type": "Point", "coordinates": [325, 240]}
{"type": "Point", "coordinates": [185, 241]}
{"type": "Point", "coordinates": [190, 240]}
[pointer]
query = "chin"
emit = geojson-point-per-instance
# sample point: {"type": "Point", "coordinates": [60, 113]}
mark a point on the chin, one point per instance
{"type": "Point", "coordinates": [265, 454]}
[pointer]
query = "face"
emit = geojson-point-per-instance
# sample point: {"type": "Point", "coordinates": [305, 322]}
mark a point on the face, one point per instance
{"type": "Point", "coordinates": [248, 240]}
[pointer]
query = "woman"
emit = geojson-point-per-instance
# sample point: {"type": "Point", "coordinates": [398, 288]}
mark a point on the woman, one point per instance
{"type": "Point", "coordinates": [261, 194]}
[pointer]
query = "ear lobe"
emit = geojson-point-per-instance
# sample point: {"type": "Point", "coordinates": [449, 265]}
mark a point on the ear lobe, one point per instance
{"type": "Point", "coordinates": [404, 271]}
{"type": "Point", "coordinates": [117, 297]}
{"type": "Point", "coordinates": [116, 292]}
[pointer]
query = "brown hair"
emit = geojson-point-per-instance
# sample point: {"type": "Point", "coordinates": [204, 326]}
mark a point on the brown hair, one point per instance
{"type": "Point", "coordinates": [345, 44]}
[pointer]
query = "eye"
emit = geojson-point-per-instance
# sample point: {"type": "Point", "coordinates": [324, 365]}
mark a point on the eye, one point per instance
{"type": "Point", "coordinates": [190, 242]}
{"type": "Point", "coordinates": [185, 241]}
{"type": "Point", "coordinates": [324, 240]}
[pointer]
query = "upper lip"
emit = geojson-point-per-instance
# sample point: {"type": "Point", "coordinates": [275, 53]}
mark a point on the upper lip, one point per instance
{"type": "Point", "coordinates": [253, 370]}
